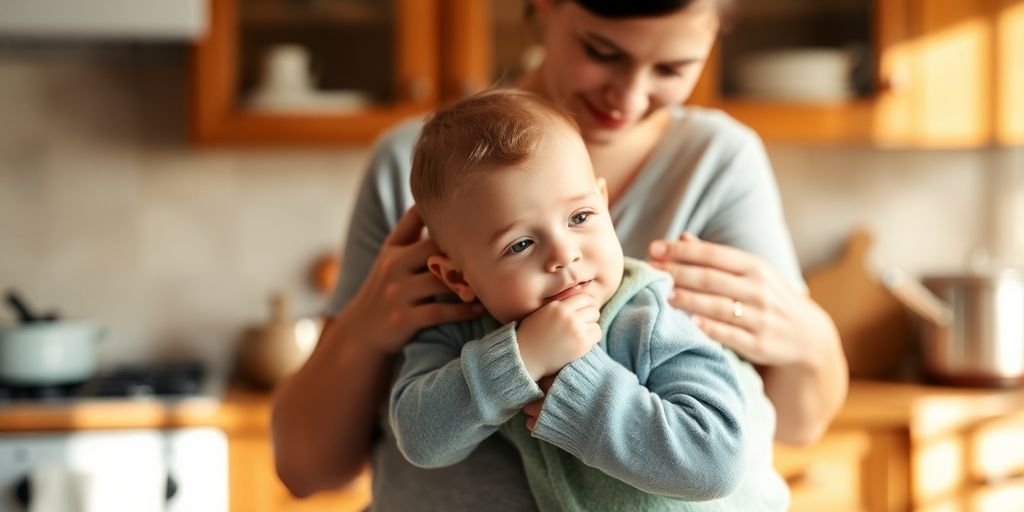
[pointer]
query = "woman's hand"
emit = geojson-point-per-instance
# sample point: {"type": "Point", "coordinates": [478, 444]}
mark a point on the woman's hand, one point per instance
{"type": "Point", "coordinates": [396, 300]}
{"type": "Point", "coordinates": [738, 300]}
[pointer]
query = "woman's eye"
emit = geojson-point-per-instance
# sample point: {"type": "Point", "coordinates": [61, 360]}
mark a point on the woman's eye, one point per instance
{"type": "Point", "coordinates": [598, 55]}
{"type": "Point", "coordinates": [580, 218]}
{"type": "Point", "coordinates": [520, 246]}
{"type": "Point", "coordinates": [669, 71]}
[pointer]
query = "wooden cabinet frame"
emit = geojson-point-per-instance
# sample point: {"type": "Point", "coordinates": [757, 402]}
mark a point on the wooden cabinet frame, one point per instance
{"type": "Point", "coordinates": [218, 118]}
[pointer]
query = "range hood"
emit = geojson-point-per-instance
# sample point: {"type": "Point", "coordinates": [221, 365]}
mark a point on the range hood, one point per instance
{"type": "Point", "coordinates": [164, 20]}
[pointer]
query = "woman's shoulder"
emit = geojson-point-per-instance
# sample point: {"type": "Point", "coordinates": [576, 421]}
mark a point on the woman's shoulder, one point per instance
{"type": "Point", "coordinates": [401, 138]}
{"type": "Point", "coordinates": [709, 125]}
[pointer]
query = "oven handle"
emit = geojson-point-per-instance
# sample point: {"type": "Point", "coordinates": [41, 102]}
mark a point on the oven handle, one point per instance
{"type": "Point", "coordinates": [23, 490]}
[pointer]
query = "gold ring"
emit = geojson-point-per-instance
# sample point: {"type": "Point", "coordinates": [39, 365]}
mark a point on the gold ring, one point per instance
{"type": "Point", "coordinates": [737, 309]}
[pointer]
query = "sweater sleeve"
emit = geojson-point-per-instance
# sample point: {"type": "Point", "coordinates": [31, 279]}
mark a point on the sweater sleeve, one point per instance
{"type": "Point", "coordinates": [677, 433]}
{"type": "Point", "coordinates": [449, 397]}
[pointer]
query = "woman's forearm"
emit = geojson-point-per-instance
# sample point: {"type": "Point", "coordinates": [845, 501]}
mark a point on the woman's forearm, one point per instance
{"type": "Point", "coordinates": [325, 414]}
{"type": "Point", "coordinates": [807, 395]}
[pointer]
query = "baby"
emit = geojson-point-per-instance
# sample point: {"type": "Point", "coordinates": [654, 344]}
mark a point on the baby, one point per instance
{"type": "Point", "coordinates": [643, 411]}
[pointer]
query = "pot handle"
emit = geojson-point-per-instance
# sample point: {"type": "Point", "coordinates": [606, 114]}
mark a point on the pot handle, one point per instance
{"type": "Point", "coordinates": [917, 298]}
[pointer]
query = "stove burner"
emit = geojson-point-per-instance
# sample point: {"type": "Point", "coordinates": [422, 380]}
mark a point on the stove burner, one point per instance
{"type": "Point", "coordinates": [167, 380]}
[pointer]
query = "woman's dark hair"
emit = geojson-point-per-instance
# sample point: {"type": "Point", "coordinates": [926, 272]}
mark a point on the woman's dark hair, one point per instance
{"type": "Point", "coordinates": [642, 8]}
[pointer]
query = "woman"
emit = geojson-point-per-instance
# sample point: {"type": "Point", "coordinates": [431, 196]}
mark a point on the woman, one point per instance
{"type": "Point", "coordinates": [623, 69]}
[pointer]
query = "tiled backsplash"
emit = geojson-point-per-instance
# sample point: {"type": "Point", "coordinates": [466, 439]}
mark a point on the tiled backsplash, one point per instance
{"type": "Point", "coordinates": [107, 213]}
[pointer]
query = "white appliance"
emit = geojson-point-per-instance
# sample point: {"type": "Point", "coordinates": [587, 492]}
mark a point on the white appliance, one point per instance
{"type": "Point", "coordinates": [177, 20]}
{"type": "Point", "coordinates": [134, 470]}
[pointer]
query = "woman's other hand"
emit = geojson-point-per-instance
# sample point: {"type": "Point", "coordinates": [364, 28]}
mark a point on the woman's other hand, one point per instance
{"type": "Point", "coordinates": [396, 300]}
{"type": "Point", "coordinates": [741, 302]}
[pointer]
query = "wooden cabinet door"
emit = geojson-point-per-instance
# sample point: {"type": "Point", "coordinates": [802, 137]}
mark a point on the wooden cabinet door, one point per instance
{"type": "Point", "coordinates": [1009, 25]}
{"type": "Point", "coordinates": [371, 64]}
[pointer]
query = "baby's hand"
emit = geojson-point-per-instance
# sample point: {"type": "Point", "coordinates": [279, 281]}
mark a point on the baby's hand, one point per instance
{"type": "Point", "coordinates": [557, 334]}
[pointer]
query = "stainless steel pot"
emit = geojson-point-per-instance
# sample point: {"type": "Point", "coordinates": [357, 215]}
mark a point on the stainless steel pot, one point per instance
{"type": "Point", "coordinates": [972, 326]}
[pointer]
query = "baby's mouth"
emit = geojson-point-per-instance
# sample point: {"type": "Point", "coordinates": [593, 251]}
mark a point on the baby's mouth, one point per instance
{"type": "Point", "coordinates": [573, 289]}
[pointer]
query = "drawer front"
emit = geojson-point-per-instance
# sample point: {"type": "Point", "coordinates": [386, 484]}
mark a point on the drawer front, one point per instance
{"type": "Point", "coordinates": [829, 475]}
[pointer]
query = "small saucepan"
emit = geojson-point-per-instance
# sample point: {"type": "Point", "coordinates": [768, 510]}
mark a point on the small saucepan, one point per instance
{"type": "Point", "coordinates": [42, 350]}
{"type": "Point", "coordinates": [972, 325]}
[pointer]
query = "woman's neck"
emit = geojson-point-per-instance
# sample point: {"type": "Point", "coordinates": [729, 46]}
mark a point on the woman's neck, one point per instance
{"type": "Point", "coordinates": [619, 161]}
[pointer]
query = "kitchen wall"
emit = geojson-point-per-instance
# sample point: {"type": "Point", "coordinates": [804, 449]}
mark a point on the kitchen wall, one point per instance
{"type": "Point", "coordinates": [108, 214]}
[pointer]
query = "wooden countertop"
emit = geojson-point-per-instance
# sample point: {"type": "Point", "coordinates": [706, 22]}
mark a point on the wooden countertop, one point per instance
{"type": "Point", "coordinates": [870, 403]}
{"type": "Point", "coordinates": [240, 411]}
{"type": "Point", "coordinates": [923, 409]}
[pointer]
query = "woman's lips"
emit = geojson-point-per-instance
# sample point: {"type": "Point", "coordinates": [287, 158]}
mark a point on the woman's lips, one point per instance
{"type": "Point", "coordinates": [603, 118]}
{"type": "Point", "coordinates": [569, 292]}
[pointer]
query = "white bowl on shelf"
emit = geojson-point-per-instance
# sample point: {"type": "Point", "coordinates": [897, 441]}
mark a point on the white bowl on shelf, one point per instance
{"type": "Point", "coordinates": [797, 74]}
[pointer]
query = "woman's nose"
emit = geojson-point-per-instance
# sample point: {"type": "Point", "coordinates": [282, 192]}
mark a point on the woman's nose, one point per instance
{"type": "Point", "coordinates": [562, 256]}
{"type": "Point", "coordinates": [629, 93]}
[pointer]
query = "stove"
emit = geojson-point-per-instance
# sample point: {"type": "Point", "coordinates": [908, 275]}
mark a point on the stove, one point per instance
{"type": "Point", "coordinates": [168, 382]}
{"type": "Point", "coordinates": [182, 469]}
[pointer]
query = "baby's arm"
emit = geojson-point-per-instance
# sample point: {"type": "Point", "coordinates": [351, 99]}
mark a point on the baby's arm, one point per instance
{"type": "Point", "coordinates": [678, 433]}
{"type": "Point", "coordinates": [449, 397]}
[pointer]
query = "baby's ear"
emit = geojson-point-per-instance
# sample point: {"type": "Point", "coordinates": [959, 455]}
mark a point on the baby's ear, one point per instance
{"type": "Point", "coordinates": [451, 275]}
{"type": "Point", "coordinates": [602, 187]}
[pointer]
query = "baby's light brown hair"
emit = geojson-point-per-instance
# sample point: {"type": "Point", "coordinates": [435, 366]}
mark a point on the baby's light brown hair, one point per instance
{"type": "Point", "coordinates": [492, 129]}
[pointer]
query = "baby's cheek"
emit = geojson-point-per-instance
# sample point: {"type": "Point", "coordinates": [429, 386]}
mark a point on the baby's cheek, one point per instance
{"type": "Point", "coordinates": [521, 299]}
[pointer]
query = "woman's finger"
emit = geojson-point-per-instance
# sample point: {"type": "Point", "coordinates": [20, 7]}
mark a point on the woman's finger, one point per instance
{"type": "Point", "coordinates": [413, 257]}
{"type": "Point", "coordinates": [408, 230]}
{"type": "Point", "coordinates": [739, 340]}
{"type": "Point", "coordinates": [422, 287]}
{"type": "Point", "coordinates": [707, 280]}
{"type": "Point", "coordinates": [716, 307]}
{"type": "Point", "coordinates": [693, 251]}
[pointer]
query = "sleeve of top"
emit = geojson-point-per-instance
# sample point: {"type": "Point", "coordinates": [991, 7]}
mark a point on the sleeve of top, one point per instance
{"type": "Point", "coordinates": [379, 204]}
{"type": "Point", "coordinates": [750, 215]}
{"type": "Point", "coordinates": [677, 434]}
{"type": "Point", "coordinates": [449, 397]}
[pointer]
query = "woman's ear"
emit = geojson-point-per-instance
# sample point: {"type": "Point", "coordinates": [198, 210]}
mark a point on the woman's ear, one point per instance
{"type": "Point", "coordinates": [602, 187]}
{"type": "Point", "coordinates": [451, 275]}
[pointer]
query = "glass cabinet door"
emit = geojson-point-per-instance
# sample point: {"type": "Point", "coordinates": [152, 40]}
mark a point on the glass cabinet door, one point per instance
{"type": "Point", "coordinates": [314, 70]}
{"type": "Point", "coordinates": [318, 56]}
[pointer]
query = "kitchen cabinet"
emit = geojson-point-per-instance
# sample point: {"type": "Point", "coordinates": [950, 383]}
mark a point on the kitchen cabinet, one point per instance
{"type": "Point", "coordinates": [941, 74]}
{"type": "Point", "coordinates": [289, 71]}
{"type": "Point", "coordinates": [931, 73]}
{"type": "Point", "coordinates": [910, 447]}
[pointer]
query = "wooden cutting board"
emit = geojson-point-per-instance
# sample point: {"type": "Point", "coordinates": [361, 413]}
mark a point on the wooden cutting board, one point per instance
{"type": "Point", "coordinates": [876, 331]}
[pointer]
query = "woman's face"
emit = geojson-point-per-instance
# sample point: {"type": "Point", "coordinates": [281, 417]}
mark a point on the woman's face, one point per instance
{"type": "Point", "coordinates": [614, 73]}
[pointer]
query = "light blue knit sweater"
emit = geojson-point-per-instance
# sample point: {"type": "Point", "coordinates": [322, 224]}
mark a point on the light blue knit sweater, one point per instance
{"type": "Point", "coordinates": [655, 417]}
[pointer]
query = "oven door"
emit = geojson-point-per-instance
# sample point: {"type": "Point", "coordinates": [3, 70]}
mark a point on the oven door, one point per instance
{"type": "Point", "coordinates": [173, 470]}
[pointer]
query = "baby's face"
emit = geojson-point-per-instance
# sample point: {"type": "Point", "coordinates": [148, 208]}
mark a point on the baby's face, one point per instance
{"type": "Point", "coordinates": [522, 237]}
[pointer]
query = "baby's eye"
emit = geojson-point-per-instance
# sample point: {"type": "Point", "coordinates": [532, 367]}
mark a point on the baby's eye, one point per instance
{"type": "Point", "coordinates": [520, 246]}
{"type": "Point", "coordinates": [580, 218]}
